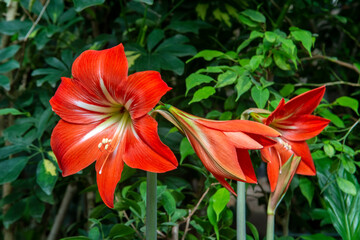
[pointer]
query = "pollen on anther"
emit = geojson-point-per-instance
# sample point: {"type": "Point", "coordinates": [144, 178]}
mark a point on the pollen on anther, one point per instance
{"type": "Point", "coordinates": [106, 146]}
{"type": "Point", "coordinates": [99, 146]}
{"type": "Point", "coordinates": [103, 141]}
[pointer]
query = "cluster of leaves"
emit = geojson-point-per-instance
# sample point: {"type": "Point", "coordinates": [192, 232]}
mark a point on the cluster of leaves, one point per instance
{"type": "Point", "coordinates": [220, 58]}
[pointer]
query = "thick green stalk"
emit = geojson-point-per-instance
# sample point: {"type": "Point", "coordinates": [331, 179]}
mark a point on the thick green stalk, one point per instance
{"type": "Point", "coordinates": [241, 211]}
{"type": "Point", "coordinates": [151, 206]}
{"type": "Point", "coordinates": [270, 226]}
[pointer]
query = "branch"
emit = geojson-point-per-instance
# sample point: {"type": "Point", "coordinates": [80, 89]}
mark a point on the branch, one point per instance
{"type": "Point", "coordinates": [69, 193]}
{"type": "Point", "coordinates": [37, 20]}
{"type": "Point", "coordinates": [191, 212]}
{"type": "Point", "coordinates": [132, 225]}
{"type": "Point", "coordinates": [341, 63]}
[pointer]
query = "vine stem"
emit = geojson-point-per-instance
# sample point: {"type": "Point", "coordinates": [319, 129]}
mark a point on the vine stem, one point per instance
{"type": "Point", "coordinates": [151, 206]}
{"type": "Point", "coordinates": [241, 211]}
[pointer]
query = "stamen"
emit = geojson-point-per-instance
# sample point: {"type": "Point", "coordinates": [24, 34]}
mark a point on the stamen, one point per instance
{"type": "Point", "coordinates": [106, 146]}
{"type": "Point", "coordinates": [104, 141]}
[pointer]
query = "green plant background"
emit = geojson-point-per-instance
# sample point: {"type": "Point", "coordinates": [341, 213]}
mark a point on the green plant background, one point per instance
{"type": "Point", "coordinates": [220, 58]}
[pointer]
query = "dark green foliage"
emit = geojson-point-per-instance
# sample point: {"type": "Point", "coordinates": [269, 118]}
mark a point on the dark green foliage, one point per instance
{"type": "Point", "coordinates": [220, 58]}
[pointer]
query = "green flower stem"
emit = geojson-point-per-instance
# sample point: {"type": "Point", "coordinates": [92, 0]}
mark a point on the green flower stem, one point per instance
{"type": "Point", "coordinates": [270, 226]}
{"type": "Point", "coordinates": [241, 211]}
{"type": "Point", "coordinates": [151, 206]}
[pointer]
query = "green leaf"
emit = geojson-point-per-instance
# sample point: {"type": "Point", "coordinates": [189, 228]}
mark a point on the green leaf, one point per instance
{"type": "Point", "coordinates": [213, 220]}
{"type": "Point", "coordinates": [287, 89]}
{"type": "Point", "coordinates": [219, 201]}
{"type": "Point", "coordinates": [346, 186]}
{"type": "Point", "coordinates": [154, 38]}
{"type": "Point", "coordinates": [226, 78]}
{"type": "Point", "coordinates": [185, 149]}
{"type": "Point", "coordinates": [170, 62]}
{"type": "Point", "coordinates": [222, 17]}
{"type": "Point", "coordinates": [5, 82]}
{"type": "Point", "coordinates": [202, 93]}
{"type": "Point", "coordinates": [343, 209]}
{"type": "Point", "coordinates": [307, 189]}
{"type": "Point", "coordinates": [120, 230]}
{"type": "Point", "coordinates": [14, 213]}
{"type": "Point", "coordinates": [243, 85]}
{"type": "Point", "coordinates": [325, 113]}
{"type": "Point", "coordinates": [148, 2]}
{"type": "Point", "coordinates": [82, 4]}
{"type": "Point", "coordinates": [329, 150]}
{"type": "Point", "coordinates": [318, 236]}
{"type": "Point", "coordinates": [270, 36]}
{"type": "Point", "coordinates": [11, 111]}
{"type": "Point", "coordinates": [8, 52]}
{"type": "Point", "coordinates": [201, 9]}
{"type": "Point", "coordinates": [94, 233]}
{"type": "Point", "coordinates": [46, 175]}
{"type": "Point", "coordinates": [36, 208]}
{"type": "Point", "coordinates": [10, 169]}
{"type": "Point", "coordinates": [253, 230]}
{"type": "Point", "coordinates": [348, 102]}
{"type": "Point", "coordinates": [76, 238]}
{"type": "Point", "coordinates": [281, 61]}
{"type": "Point", "coordinates": [304, 37]}
{"type": "Point", "coordinates": [208, 55]}
{"type": "Point", "coordinates": [196, 79]}
{"type": "Point", "coordinates": [55, 9]}
{"type": "Point", "coordinates": [168, 202]}
{"type": "Point", "coordinates": [9, 66]}
{"type": "Point", "coordinates": [260, 96]}
{"type": "Point", "coordinates": [247, 21]}
{"type": "Point", "coordinates": [254, 15]}
{"type": "Point", "coordinates": [255, 62]}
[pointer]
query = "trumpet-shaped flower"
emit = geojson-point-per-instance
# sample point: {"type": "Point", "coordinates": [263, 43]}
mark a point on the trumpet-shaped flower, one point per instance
{"type": "Point", "coordinates": [104, 117]}
{"type": "Point", "coordinates": [222, 146]}
{"type": "Point", "coordinates": [296, 125]}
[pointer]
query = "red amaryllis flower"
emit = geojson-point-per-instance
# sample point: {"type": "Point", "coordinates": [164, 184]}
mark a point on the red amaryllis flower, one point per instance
{"type": "Point", "coordinates": [223, 146]}
{"type": "Point", "coordinates": [296, 124]}
{"type": "Point", "coordinates": [105, 118]}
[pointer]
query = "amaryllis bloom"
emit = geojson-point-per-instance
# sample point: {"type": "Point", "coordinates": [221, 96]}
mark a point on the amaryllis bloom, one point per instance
{"type": "Point", "coordinates": [104, 117]}
{"type": "Point", "coordinates": [222, 146]}
{"type": "Point", "coordinates": [296, 125]}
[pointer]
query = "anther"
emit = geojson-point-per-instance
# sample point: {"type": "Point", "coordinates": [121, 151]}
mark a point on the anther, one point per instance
{"type": "Point", "coordinates": [99, 146]}
{"type": "Point", "coordinates": [106, 146]}
{"type": "Point", "coordinates": [104, 140]}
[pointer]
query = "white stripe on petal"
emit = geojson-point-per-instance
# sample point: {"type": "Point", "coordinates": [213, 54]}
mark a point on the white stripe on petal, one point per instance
{"type": "Point", "coordinates": [106, 92]}
{"type": "Point", "coordinates": [95, 108]}
{"type": "Point", "coordinates": [101, 127]}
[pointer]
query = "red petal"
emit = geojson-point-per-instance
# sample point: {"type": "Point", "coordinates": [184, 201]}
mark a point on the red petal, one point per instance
{"type": "Point", "coordinates": [225, 184]}
{"type": "Point", "coordinates": [277, 113]}
{"type": "Point", "coordinates": [303, 128]}
{"type": "Point", "coordinates": [72, 152]}
{"type": "Point", "coordinates": [300, 149]}
{"type": "Point", "coordinates": [141, 92]}
{"type": "Point", "coordinates": [144, 150]}
{"type": "Point", "coordinates": [75, 104]}
{"type": "Point", "coordinates": [300, 105]}
{"type": "Point", "coordinates": [216, 153]}
{"type": "Point", "coordinates": [264, 141]}
{"type": "Point", "coordinates": [240, 126]}
{"type": "Point", "coordinates": [246, 165]}
{"type": "Point", "coordinates": [273, 165]}
{"type": "Point", "coordinates": [305, 103]}
{"type": "Point", "coordinates": [241, 140]}
{"type": "Point", "coordinates": [306, 166]}
{"type": "Point", "coordinates": [100, 72]}
{"type": "Point", "coordinates": [109, 170]}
